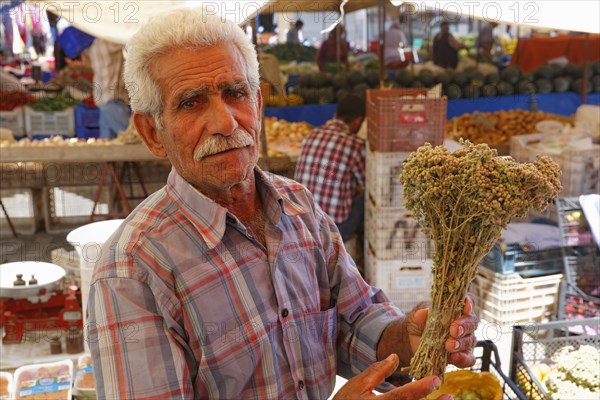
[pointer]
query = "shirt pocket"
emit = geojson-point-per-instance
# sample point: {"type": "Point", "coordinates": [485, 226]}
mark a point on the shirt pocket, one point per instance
{"type": "Point", "coordinates": [319, 349]}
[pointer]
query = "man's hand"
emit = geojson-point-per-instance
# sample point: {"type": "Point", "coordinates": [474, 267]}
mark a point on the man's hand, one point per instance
{"type": "Point", "coordinates": [404, 335]}
{"type": "Point", "coordinates": [362, 385]}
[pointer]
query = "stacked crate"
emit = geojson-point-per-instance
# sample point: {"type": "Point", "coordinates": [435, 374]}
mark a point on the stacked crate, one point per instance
{"type": "Point", "coordinates": [397, 254]}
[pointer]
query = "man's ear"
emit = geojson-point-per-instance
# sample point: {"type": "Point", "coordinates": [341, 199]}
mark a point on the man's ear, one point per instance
{"type": "Point", "coordinates": [146, 127]}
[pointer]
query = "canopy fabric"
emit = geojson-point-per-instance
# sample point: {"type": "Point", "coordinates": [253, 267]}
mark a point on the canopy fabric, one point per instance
{"type": "Point", "coordinates": [118, 20]}
{"type": "Point", "coordinates": [576, 15]}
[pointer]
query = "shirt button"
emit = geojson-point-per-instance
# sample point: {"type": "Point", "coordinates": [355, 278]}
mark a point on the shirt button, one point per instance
{"type": "Point", "coordinates": [301, 385]}
{"type": "Point", "coordinates": [285, 312]}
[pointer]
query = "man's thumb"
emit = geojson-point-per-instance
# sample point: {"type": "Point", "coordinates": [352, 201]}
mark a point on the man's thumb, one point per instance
{"type": "Point", "coordinates": [377, 372]}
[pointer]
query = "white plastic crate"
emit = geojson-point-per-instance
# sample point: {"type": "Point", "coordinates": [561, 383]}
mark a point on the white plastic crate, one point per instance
{"type": "Point", "coordinates": [386, 217]}
{"type": "Point", "coordinates": [406, 283]}
{"type": "Point", "coordinates": [399, 243]}
{"type": "Point", "coordinates": [47, 123]}
{"type": "Point", "coordinates": [580, 168]}
{"type": "Point", "coordinates": [69, 207]}
{"type": "Point", "coordinates": [22, 208]}
{"type": "Point", "coordinates": [13, 120]}
{"type": "Point", "coordinates": [508, 300]}
{"type": "Point", "coordinates": [383, 177]}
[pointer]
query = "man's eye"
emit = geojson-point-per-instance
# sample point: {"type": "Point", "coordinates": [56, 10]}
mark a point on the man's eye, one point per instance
{"type": "Point", "coordinates": [186, 105]}
{"type": "Point", "coordinates": [236, 94]}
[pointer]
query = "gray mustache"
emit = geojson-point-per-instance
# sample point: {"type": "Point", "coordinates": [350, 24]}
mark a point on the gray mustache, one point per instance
{"type": "Point", "coordinates": [219, 143]}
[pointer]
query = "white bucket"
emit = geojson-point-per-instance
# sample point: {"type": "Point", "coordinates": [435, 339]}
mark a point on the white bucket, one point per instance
{"type": "Point", "coordinates": [88, 241]}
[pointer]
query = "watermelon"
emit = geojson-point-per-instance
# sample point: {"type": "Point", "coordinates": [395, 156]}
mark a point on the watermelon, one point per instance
{"type": "Point", "coordinates": [543, 86]}
{"type": "Point", "coordinates": [525, 87]}
{"type": "Point", "coordinates": [372, 78]}
{"type": "Point", "coordinates": [426, 77]}
{"type": "Point", "coordinates": [417, 85]}
{"type": "Point", "coordinates": [505, 88]}
{"type": "Point", "coordinates": [361, 90]}
{"type": "Point", "coordinates": [596, 83]}
{"type": "Point", "coordinates": [326, 95]}
{"type": "Point", "coordinates": [340, 94]}
{"type": "Point", "coordinates": [460, 78]}
{"type": "Point", "coordinates": [528, 76]}
{"type": "Point", "coordinates": [476, 76]}
{"type": "Point", "coordinates": [471, 91]}
{"type": "Point", "coordinates": [306, 81]}
{"type": "Point", "coordinates": [339, 81]}
{"type": "Point", "coordinates": [561, 84]}
{"type": "Point", "coordinates": [596, 67]}
{"type": "Point", "coordinates": [453, 91]}
{"type": "Point", "coordinates": [512, 74]}
{"type": "Point", "coordinates": [574, 70]}
{"type": "Point", "coordinates": [321, 80]}
{"type": "Point", "coordinates": [443, 78]}
{"type": "Point", "coordinates": [577, 86]}
{"type": "Point", "coordinates": [492, 78]}
{"type": "Point", "coordinates": [355, 77]}
{"type": "Point", "coordinates": [544, 72]}
{"type": "Point", "coordinates": [404, 77]}
{"type": "Point", "coordinates": [557, 69]}
{"type": "Point", "coordinates": [489, 90]}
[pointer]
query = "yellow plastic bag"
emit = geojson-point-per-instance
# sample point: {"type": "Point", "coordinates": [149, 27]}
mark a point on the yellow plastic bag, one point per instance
{"type": "Point", "coordinates": [469, 385]}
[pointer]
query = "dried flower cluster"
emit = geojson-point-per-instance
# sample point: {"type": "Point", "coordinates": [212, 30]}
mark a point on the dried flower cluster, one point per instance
{"type": "Point", "coordinates": [463, 200]}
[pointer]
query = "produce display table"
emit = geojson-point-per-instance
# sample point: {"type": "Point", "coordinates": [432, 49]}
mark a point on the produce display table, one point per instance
{"type": "Point", "coordinates": [534, 52]}
{"type": "Point", "coordinates": [556, 103]}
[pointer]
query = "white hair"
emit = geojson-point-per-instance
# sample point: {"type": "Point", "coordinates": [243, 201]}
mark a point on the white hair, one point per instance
{"type": "Point", "coordinates": [181, 28]}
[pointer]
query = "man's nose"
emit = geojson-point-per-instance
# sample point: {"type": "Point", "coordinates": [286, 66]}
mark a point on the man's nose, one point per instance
{"type": "Point", "coordinates": [220, 118]}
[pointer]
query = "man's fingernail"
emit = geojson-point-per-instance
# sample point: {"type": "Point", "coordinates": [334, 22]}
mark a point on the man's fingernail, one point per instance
{"type": "Point", "coordinates": [436, 382]}
{"type": "Point", "coordinates": [456, 345]}
{"type": "Point", "coordinates": [390, 357]}
{"type": "Point", "coordinates": [461, 331]}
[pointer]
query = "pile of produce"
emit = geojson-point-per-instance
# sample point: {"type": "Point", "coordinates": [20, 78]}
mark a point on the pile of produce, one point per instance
{"type": "Point", "coordinates": [495, 128]}
{"type": "Point", "coordinates": [285, 138]}
{"type": "Point", "coordinates": [467, 385]}
{"type": "Point", "coordinates": [292, 52]}
{"type": "Point", "coordinates": [463, 200]}
{"type": "Point", "coordinates": [57, 103]}
{"type": "Point", "coordinates": [9, 100]}
{"type": "Point", "coordinates": [472, 83]}
{"type": "Point", "coordinates": [56, 141]}
{"type": "Point", "coordinates": [573, 374]}
{"type": "Point", "coordinates": [323, 87]}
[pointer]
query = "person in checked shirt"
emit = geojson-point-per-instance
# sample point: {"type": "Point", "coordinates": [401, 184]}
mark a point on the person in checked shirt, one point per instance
{"type": "Point", "coordinates": [332, 166]}
{"type": "Point", "coordinates": [230, 282]}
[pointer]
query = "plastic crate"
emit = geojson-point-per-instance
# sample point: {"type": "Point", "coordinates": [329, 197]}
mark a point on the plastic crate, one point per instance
{"type": "Point", "coordinates": [87, 122]}
{"type": "Point", "coordinates": [580, 168]}
{"type": "Point", "coordinates": [68, 207]}
{"type": "Point", "coordinates": [383, 177]}
{"type": "Point", "coordinates": [22, 208]}
{"type": "Point", "coordinates": [14, 121]}
{"type": "Point", "coordinates": [404, 119]}
{"type": "Point", "coordinates": [49, 123]}
{"type": "Point", "coordinates": [73, 41]}
{"type": "Point", "coordinates": [574, 228]}
{"type": "Point", "coordinates": [488, 359]}
{"type": "Point", "coordinates": [507, 300]}
{"type": "Point", "coordinates": [580, 292]}
{"type": "Point", "coordinates": [536, 343]}
{"type": "Point", "coordinates": [406, 282]}
{"type": "Point", "coordinates": [525, 262]}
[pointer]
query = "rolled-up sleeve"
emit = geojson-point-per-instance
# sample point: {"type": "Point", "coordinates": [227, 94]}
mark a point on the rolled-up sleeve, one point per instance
{"type": "Point", "coordinates": [137, 351]}
{"type": "Point", "coordinates": [364, 311]}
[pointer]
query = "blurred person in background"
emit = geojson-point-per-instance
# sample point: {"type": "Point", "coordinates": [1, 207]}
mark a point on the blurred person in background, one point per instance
{"type": "Point", "coordinates": [446, 47]}
{"type": "Point", "coordinates": [395, 40]}
{"type": "Point", "coordinates": [294, 35]}
{"type": "Point", "coordinates": [327, 55]}
{"type": "Point", "coordinates": [110, 95]}
{"type": "Point", "coordinates": [485, 40]}
{"type": "Point", "coordinates": [332, 166]}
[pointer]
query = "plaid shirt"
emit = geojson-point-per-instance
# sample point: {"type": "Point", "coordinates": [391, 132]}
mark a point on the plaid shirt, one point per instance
{"type": "Point", "coordinates": [184, 303]}
{"type": "Point", "coordinates": [332, 166]}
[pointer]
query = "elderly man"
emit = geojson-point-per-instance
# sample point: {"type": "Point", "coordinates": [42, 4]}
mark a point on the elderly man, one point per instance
{"type": "Point", "coordinates": [229, 282]}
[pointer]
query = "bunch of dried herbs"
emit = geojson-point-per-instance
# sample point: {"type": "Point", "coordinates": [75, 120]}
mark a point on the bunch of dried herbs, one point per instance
{"type": "Point", "coordinates": [463, 200]}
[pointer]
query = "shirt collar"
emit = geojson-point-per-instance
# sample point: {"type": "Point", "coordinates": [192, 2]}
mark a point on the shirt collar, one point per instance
{"type": "Point", "coordinates": [210, 218]}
